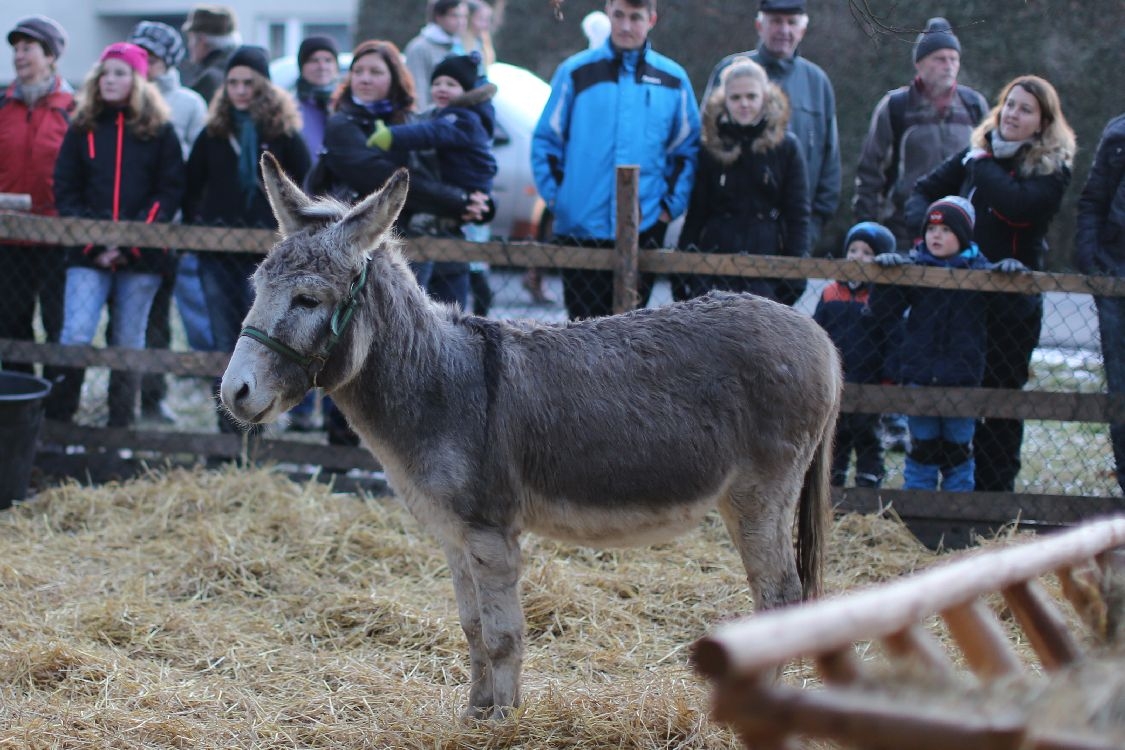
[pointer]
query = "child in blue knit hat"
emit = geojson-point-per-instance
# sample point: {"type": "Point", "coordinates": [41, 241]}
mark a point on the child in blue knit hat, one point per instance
{"type": "Point", "coordinates": [844, 311]}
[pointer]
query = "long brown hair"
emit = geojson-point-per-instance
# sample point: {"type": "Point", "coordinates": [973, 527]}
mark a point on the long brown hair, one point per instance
{"type": "Point", "coordinates": [145, 112]}
{"type": "Point", "coordinates": [1053, 147]}
{"type": "Point", "coordinates": [402, 83]}
{"type": "Point", "coordinates": [272, 109]}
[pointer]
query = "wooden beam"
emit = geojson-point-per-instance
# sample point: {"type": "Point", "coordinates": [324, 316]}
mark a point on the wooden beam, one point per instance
{"type": "Point", "coordinates": [768, 639]}
{"type": "Point", "coordinates": [71, 231]}
{"type": "Point", "coordinates": [981, 639]}
{"type": "Point", "coordinates": [1044, 625]}
{"type": "Point", "coordinates": [988, 509]}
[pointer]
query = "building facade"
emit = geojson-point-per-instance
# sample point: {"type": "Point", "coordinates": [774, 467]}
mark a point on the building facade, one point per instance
{"type": "Point", "coordinates": [277, 25]}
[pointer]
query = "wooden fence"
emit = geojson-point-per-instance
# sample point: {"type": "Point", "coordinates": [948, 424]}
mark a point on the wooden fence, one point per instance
{"type": "Point", "coordinates": [985, 511]}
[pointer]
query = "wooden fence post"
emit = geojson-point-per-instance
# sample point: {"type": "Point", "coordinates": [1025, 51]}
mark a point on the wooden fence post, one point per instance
{"type": "Point", "coordinates": [625, 274]}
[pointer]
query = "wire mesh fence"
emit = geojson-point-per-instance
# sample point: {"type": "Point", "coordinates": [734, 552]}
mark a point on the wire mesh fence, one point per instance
{"type": "Point", "coordinates": [192, 315]}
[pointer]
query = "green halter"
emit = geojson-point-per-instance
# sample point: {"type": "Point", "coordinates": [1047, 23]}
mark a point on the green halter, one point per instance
{"type": "Point", "coordinates": [341, 317]}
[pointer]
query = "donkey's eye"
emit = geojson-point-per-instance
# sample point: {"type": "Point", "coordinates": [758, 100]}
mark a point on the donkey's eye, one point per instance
{"type": "Point", "coordinates": [306, 301]}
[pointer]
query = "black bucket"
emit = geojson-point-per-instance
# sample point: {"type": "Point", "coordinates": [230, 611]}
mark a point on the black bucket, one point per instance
{"type": "Point", "coordinates": [21, 412]}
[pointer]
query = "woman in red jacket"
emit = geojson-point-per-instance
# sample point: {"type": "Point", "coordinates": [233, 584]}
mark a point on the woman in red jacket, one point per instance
{"type": "Point", "coordinates": [33, 118]}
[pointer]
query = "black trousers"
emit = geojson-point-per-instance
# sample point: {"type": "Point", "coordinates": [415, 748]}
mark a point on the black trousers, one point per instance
{"type": "Point", "coordinates": [858, 433]}
{"type": "Point", "coordinates": [1013, 333]}
{"type": "Point", "coordinates": [30, 274]}
{"type": "Point", "coordinates": [588, 293]}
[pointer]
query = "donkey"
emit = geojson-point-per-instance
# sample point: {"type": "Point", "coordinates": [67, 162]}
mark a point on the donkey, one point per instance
{"type": "Point", "coordinates": [618, 430]}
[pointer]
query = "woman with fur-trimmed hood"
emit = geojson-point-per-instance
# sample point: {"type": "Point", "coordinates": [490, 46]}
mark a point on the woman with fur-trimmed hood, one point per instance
{"type": "Point", "coordinates": [750, 194]}
{"type": "Point", "coordinates": [1015, 172]}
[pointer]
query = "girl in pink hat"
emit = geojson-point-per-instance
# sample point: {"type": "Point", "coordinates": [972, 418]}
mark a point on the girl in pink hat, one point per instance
{"type": "Point", "coordinates": [120, 161]}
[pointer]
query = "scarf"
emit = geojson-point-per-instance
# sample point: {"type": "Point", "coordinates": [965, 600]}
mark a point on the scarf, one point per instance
{"type": "Point", "coordinates": [29, 93]}
{"type": "Point", "coordinates": [436, 34]}
{"type": "Point", "coordinates": [318, 95]}
{"type": "Point", "coordinates": [731, 130]}
{"type": "Point", "coordinates": [1002, 149]}
{"type": "Point", "coordinates": [168, 82]}
{"type": "Point", "coordinates": [380, 109]}
{"type": "Point", "coordinates": [246, 135]}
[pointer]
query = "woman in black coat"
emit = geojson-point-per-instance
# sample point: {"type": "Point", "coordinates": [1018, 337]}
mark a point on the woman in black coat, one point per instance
{"type": "Point", "coordinates": [1015, 172]}
{"type": "Point", "coordinates": [379, 87]}
{"type": "Point", "coordinates": [750, 194]}
{"type": "Point", "coordinates": [249, 116]}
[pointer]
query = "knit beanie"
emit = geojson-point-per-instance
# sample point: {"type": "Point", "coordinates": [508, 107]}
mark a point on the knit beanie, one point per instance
{"type": "Point", "coordinates": [956, 213]}
{"type": "Point", "coordinates": [161, 40]}
{"type": "Point", "coordinates": [253, 57]}
{"type": "Point", "coordinates": [130, 54]}
{"type": "Point", "coordinates": [874, 234]}
{"type": "Point", "coordinates": [315, 44]}
{"type": "Point", "coordinates": [461, 68]}
{"type": "Point", "coordinates": [938, 35]}
{"type": "Point", "coordinates": [44, 30]}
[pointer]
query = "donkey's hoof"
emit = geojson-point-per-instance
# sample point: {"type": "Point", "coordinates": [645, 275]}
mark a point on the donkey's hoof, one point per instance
{"type": "Point", "coordinates": [487, 713]}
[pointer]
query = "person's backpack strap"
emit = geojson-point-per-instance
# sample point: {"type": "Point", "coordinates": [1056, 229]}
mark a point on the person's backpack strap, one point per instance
{"type": "Point", "coordinates": [972, 104]}
{"type": "Point", "coordinates": [896, 108]}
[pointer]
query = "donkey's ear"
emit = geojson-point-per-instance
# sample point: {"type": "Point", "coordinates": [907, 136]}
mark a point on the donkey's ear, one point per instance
{"type": "Point", "coordinates": [286, 199]}
{"type": "Point", "coordinates": [369, 219]}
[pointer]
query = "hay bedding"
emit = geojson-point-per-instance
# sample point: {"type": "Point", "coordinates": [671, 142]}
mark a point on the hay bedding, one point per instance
{"type": "Point", "coordinates": [239, 609]}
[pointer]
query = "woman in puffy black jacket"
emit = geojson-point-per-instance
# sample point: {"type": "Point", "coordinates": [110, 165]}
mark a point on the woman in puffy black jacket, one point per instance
{"type": "Point", "coordinates": [120, 160]}
{"type": "Point", "coordinates": [750, 194]}
{"type": "Point", "coordinates": [1015, 172]}
{"type": "Point", "coordinates": [378, 87]}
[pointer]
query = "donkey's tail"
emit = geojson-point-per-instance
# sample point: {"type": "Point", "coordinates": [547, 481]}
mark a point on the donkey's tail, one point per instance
{"type": "Point", "coordinates": [814, 514]}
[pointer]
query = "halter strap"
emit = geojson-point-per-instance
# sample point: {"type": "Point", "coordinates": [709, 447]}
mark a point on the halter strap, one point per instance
{"type": "Point", "coordinates": [341, 317]}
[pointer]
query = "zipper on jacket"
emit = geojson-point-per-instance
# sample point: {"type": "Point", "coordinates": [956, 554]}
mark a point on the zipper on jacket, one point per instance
{"type": "Point", "coordinates": [117, 167]}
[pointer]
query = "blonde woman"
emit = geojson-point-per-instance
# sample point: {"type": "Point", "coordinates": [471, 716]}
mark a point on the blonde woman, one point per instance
{"type": "Point", "coordinates": [120, 160]}
{"type": "Point", "coordinates": [1016, 172]}
{"type": "Point", "coordinates": [751, 192]}
{"type": "Point", "coordinates": [248, 116]}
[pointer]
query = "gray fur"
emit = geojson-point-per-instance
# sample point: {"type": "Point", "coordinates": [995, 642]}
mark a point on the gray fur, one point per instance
{"type": "Point", "coordinates": [618, 430]}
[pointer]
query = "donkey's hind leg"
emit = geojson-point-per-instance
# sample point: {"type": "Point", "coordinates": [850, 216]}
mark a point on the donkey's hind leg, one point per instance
{"type": "Point", "coordinates": [759, 514]}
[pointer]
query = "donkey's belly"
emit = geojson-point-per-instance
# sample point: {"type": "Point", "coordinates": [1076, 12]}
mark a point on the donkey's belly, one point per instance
{"type": "Point", "coordinates": [609, 526]}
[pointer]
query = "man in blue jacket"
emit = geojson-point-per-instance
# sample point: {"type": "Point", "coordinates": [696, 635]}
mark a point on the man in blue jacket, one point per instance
{"type": "Point", "coordinates": [781, 25]}
{"type": "Point", "coordinates": [619, 103]}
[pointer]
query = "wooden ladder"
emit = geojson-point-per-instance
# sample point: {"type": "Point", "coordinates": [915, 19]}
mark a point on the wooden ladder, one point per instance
{"type": "Point", "coordinates": [741, 659]}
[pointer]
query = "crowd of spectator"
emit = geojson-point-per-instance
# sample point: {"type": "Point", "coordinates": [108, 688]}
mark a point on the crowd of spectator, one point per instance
{"type": "Point", "coordinates": [171, 127]}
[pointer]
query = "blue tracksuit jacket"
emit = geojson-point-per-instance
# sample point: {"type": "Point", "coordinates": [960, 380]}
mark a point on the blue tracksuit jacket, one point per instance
{"type": "Point", "coordinates": [609, 108]}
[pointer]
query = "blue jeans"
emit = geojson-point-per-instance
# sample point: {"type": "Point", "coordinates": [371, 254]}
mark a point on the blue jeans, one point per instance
{"type": "Point", "coordinates": [192, 304]}
{"type": "Point", "coordinates": [88, 290]}
{"type": "Point", "coordinates": [1111, 327]}
{"type": "Point", "coordinates": [225, 278]}
{"type": "Point", "coordinates": [931, 440]}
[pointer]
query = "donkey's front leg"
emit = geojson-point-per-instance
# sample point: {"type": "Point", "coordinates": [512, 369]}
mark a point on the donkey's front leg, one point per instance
{"type": "Point", "coordinates": [493, 556]}
{"type": "Point", "coordinates": [468, 607]}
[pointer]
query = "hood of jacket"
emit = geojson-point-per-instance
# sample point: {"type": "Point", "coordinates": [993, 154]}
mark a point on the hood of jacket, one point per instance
{"type": "Point", "coordinates": [725, 140]}
{"type": "Point", "coordinates": [480, 101]}
{"type": "Point", "coordinates": [1036, 158]}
